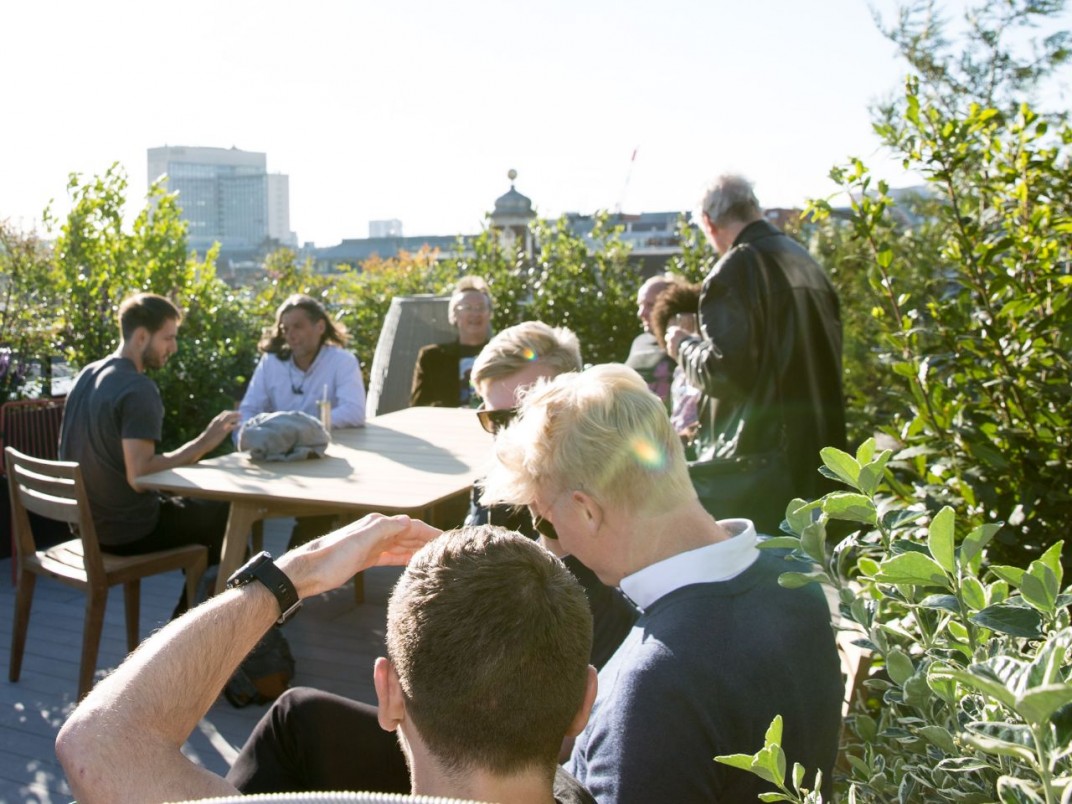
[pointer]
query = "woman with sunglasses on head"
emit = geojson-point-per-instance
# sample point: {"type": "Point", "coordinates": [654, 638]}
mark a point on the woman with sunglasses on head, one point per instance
{"type": "Point", "coordinates": [441, 376]}
{"type": "Point", "coordinates": [512, 362]}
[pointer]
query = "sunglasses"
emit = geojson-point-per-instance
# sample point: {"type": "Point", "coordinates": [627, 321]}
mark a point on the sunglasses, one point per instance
{"type": "Point", "coordinates": [543, 526]}
{"type": "Point", "coordinates": [494, 420]}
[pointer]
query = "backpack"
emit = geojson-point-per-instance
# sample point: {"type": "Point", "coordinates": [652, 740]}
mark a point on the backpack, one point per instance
{"type": "Point", "coordinates": [267, 670]}
{"type": "Point", "coordinates": [264, 674]}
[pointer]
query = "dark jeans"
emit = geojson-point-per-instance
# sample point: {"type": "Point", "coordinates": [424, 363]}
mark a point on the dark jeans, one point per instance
{"type": "Point", "coordinates": [307, 528]}
{"type": "Point", "coordinates": [182, 521]}
{"type": "Point", "coordinates": [313, 740]}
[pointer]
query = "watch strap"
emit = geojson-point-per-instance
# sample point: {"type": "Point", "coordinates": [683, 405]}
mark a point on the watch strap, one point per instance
{"type": "Point", "coordinates": [262, 568]}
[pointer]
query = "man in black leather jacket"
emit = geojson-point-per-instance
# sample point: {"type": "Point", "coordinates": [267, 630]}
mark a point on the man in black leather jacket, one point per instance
{"type": "Point", "coordinates": [769, 358]}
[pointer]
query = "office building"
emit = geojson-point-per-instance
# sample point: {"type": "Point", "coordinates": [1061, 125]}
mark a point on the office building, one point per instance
{"type": "Point", "coordinates": [279, 210]}
{"type": "Point", "coordinates": [226, 195]}
{"type": "Point", "coordinates": [387, 228]}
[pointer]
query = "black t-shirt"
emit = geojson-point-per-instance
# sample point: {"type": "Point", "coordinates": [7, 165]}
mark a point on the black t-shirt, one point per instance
{"type": "Point", "coordinates": [441, 376]}
{"type": "Point", "coordinates": [111, 400]}
{"type": "Point", "coordinates": [568, 790]}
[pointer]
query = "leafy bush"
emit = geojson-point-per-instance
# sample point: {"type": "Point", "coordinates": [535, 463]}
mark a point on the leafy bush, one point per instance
{"type": "Point", "coordinates": [587, 286]}
{"type": "Point", "coordinates": [96, 264]}
{"type": "Point", "coordinates": [971, 322]}
{"type": "Point", "coordinates": [970, 697]}
{"type": "Point", "coordinates": [26, 337]}
{"type": "Point", "coordinates": [958, 324]}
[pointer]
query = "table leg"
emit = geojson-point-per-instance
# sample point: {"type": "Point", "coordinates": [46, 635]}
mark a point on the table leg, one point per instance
{"type": "Point", "coordinates": [239, 522]}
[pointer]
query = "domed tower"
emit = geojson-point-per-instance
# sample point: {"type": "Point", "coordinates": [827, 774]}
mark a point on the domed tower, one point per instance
{"type": "Point", "coordinates": [512, 215]}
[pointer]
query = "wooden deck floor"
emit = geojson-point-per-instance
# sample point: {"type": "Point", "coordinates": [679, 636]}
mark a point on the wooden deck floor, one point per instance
{"type": "Point", "coordinates": [334, 642]}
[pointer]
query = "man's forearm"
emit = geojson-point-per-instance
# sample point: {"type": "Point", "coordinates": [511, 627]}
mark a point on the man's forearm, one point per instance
{"type": "Point", "coordinates": [122, 742]}
{"type": "Point", "coordinates": [189, 452]}
{"type": "Point", "coordinates": [161, 462]}
{"type": "Point", "coordinates": [350, 394]}
{"type": "Point", "coordinates": [151, 704]}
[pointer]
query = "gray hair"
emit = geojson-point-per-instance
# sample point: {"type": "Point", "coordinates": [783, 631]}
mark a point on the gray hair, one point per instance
{"type": "Point", "coordinates": [465, 285]}
{"type": "Point", "coordinates": [730, 198]}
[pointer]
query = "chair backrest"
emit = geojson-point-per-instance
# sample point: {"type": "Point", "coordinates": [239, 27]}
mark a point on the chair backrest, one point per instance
{"type": "Point", "coordinates": [410, 323]}
{"type": "Point", "coordinates": [32, 426]}
{"type": "Point", "coordinates": [54, 490]}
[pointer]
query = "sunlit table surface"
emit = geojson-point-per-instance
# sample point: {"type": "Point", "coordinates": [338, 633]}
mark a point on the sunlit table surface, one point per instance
{"type": "Point", "coordinates": [406, 462]}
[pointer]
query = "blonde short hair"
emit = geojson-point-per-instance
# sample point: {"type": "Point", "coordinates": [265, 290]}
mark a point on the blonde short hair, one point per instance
{"type": "Point", "coordinates": [465, 285]}
{"type": "Point", "coordinates": [601, 431]}
{"type": "Point", "coordinates": [532, 342]}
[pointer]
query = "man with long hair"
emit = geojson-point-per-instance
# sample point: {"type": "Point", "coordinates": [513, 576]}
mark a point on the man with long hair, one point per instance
{"type": "Point", "coordinates": [303, 363]}
{"type": "Point", "coordinates": [304, 360]}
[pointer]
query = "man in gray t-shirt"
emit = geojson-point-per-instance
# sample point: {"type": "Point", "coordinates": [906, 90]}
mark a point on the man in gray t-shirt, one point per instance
{"type": "Point", "coordinates": [111, 427]}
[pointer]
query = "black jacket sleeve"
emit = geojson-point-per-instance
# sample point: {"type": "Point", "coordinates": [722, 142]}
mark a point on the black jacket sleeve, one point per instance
{"type": "Point", "coordinates": [725, 360]}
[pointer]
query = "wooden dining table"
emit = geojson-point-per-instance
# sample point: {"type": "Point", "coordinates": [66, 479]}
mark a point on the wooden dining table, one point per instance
{"type": "Point", "coordinates": [412, 461]}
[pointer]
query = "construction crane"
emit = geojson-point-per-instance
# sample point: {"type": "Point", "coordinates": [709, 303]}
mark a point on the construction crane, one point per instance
{"type": "Point", "coordinates": [625, 187]}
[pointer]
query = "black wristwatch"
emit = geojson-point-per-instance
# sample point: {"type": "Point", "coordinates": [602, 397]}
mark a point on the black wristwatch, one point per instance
{"type": "Point", "coordinates": [264, 570]}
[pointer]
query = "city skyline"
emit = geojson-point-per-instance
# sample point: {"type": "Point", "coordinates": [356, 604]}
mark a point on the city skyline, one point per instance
{"type": "Point", "coordinates": [414, 111]}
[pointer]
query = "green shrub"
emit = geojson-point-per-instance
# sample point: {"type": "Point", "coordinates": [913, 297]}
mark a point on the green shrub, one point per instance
{"type": "Point", "coordinates": [26, 336]}
{"type": "Point", "coordinates": [958, 324]}
{"type": "Point", "coordinates": [970, 697]}
{"type": "Point", "coordinates": [588, 286]}
{"type": "Point", "coordinates": [967, 361]}
{"type": "Point", "coordinates": [96, 263]}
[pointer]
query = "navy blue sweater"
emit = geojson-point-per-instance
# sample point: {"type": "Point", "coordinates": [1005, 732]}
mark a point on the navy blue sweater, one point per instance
{"type": "Point", "coordinates": [703, 672]}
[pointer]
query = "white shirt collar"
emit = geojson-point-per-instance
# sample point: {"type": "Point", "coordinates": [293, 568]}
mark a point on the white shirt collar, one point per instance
{"type": "Point", "coordinates": [720, 561]}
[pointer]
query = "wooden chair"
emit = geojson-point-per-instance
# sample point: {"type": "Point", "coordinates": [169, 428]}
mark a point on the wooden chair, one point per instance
{"type": "Point", "coordinates": [55, 490]}
{"type": "Point", "coordinates": [32, 426]}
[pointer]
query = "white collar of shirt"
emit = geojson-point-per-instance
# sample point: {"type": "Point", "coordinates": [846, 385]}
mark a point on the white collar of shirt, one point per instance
{"type": "Point", "coordinates": [720, 561]}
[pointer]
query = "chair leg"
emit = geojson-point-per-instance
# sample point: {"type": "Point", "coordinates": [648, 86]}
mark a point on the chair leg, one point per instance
{"type": "Point", "coordinates": [132, 603]}
{"type": "Point", "coordinates": [256, 537]}
{"type": "Point", "coordinates": [96, 600]}
{"type": "Point", "coordinates": [23, 601]}
{"type": "Point", "coordinates": [14, 550]}
{"type": "Point", "coordinates": [193, 580]}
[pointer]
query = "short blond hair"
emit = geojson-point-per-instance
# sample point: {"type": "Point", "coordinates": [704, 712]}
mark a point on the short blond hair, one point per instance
{"type": "Point", "coordinates": [528, 343]}
{"type": "Point", "coordinates": [601, 431]}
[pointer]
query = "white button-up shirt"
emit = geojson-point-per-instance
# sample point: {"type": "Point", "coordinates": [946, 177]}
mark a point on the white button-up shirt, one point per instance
{"type": "Point", "coordinates": [720, 561]}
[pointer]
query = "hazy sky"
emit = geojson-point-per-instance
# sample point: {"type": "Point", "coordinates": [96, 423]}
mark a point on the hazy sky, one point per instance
{"type": "Point", "coordinates": [415, 109]}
